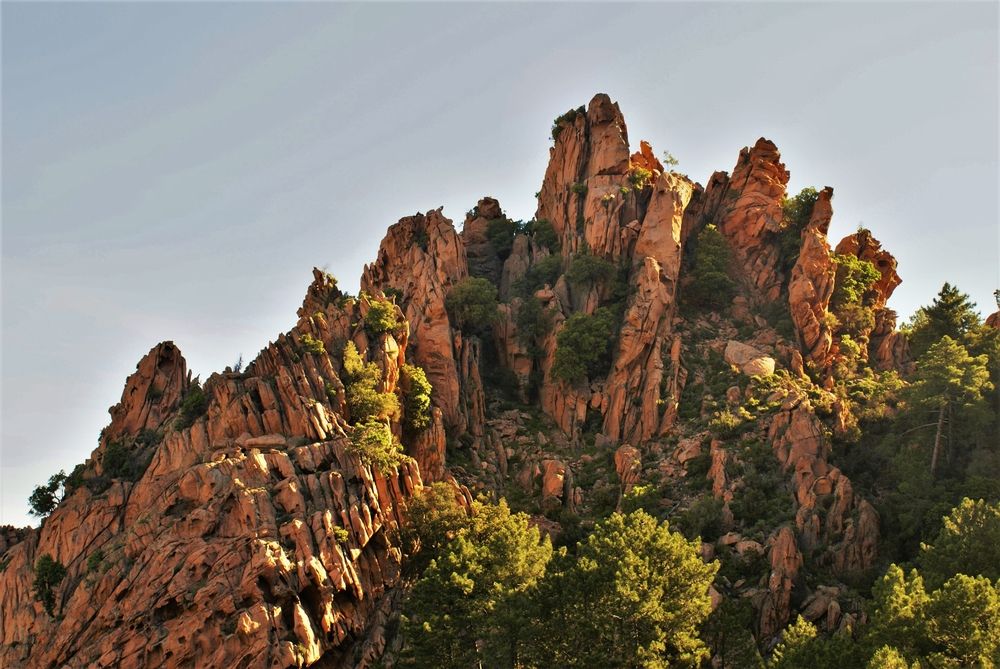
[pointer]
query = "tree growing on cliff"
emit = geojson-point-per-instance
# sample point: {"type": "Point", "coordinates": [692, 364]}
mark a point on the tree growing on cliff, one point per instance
{"type": "Point", "coordinates": [374, 443]}
{"type": "Point", "coordinates": [49, 573]}
{"type": "Point", "coordinates": [635, 596]}
{"type": "Point", "coordinates": [466, 610]}
{"type": "Point", "coordinates": [416, 397]}
{"type": "Point", "coordinates": [950, 314]}
{"type": "Point", "coordinates": [364, 399]}
{"type": "Point", "coordinates": [948, 379]}
{"type": "Point", "coordinates": [583, 346]}
{"type": "Point", "coordinates": [711, 286]}
{"type": "Point", "coordinates": [46, 497]}
{"type": "Point", "coordinates": [472, 304]}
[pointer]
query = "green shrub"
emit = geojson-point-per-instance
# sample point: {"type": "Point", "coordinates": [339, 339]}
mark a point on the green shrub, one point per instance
{"type": "Point", "coordinates": [855, 277]}
{"type": "Point", "coordinates": [543, 234]}
{"type": "Point", "coordinates": [710, 287]}
{"type": "Point", "coordinates": [565, 119]}
{"type": "Point", "coordinates": [587, 269]}
{"type": "Point", "coordinates": [340, 535]}
{"type": "Point", "coordinates": [416, 398]}
{"type": "Point", "coordinates": [728, 423]}
{"type": "Point", "coordinates": [639, 177]}
{"type": "Point", "coordinates": [381, 317]}
{"type": "Point", "coordinates": [855, 319]}
{"type": "Point", "coordinates": [544, 272]}
{"type": "Point", "coordinates": [796, 212]}
{"type": "Point", "coordinates": [94, 561]}
{"type": "Point", "coordinates": [311, 344]}
{"type": "Point", "coordinates": [533, 322]}
{"type": "Point", "coordinates": [116, 460]}
{"type": "Point", "coordinates": [500, 232]}
{"type": "Point", "coordinates": [580, 188]}
{"type": "Point", "coordinates": [472, 304]}
{"type": "Point", "coordinates": [583, 346]}
{"type": "Point", "coordinates": [373, 442]}
{"type": "Point", "coordinates": [364, 400]}
{"type": "Point", "coordinates": [44, 498]}
{"type": "Point", "coordinates": [702, 519]}
{"type": "Point", "coordinates": [48, 574]}
{"type": "Point", "coordinates": [194, 405]}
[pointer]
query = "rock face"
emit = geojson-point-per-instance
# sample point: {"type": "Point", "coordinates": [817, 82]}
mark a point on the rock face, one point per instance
{"type": "Point", "coordinates": [151, 394]}
{"type": "Point", "coordinates": [811, 285]}
{"type": "Point", "coordinates": [749, 215]}
{"type": "Point", "coordinates": [886, 348]}
{"type": "Point", "coordinates": [600, 201]}
{"type": "Point", "coordinates": [253, 538]}
{"type": "Point", "coordinates": [422, 257]}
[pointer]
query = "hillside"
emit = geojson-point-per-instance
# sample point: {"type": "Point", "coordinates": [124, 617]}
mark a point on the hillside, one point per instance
{"type": "Point", "coordinates": [645, 342]}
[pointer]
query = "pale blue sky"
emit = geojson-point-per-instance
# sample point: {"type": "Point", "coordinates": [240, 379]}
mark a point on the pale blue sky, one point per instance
{"type": "Point", "coordinates": [174, 171]}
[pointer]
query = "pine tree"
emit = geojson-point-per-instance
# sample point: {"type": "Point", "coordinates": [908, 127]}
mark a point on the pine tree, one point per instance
{"type": "Point", "coordinates": [968, 543]}
{"type": "Point", "coordinates": [948, 378]}
{"type": "Point", "coordinates": [951, 314]}
{"type": "Point", "coordinates": [467, 609]}
{"type": "Point", "coordinates": [635, 596]}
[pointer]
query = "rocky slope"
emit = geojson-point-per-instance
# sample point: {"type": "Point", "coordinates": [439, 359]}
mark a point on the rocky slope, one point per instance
{"type": "Point", "coordinates": [253, 537]}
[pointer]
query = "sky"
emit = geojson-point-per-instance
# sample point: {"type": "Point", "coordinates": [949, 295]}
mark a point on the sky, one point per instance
{"type": "Point", "coordinates": [173, 171]}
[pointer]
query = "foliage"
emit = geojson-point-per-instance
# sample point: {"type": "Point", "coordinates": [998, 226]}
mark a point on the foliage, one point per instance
{"type": "Point", "coordinates": [120, 462]}
{"type": "Point", "coordinates": [948, 379]}
{"type": "Point", "coordinates": [364, 399]}
{"type": "Point", "coordinates": [635, 596]}
{"type": "Point", "coordinates": [311, 344]}
{"type": "Point", "coordinates": [586, 269]}
{"type": "Point", "coordinates": [416, 397]}
{"type": "Point", "coordinates": [373, 442]}
{"type": "Point", "coordinates": [969, 543]}
{"type": "Point", "coordinates": [956, 625]}
{"type": "Point", "coordinates": [854, 279]}
{"type": "Point", "coordinates": [44, 498]}
{"type": "Point", "coordinates": [194, 405]}
{"type": "Point", "coordinates": [703, 519]}
{"type": "Point", "coordinates": [668, 159]}
{"type": "Point", "coordinates": [561, 121]}
{"type": "Point", "coordinates": [466, 610]}
{"type": "Point", "coordinates": [543, 234]}
{"type": "Point", "coordinates": [533, 322]}
{"type": "Point", "coordinates": [580, 188]}
{"type": "Point", "coordinates": [583, 346]}
{"type": "Point", "coordinates": [796, 212]}
{"type": "Point", "coordinates": [639, 177]}
{"type": "Point", "coordinates": [472, 304]}
{"type": "Point", "coordinates": [49, 573]}
{"type": "Point", "coordinates": [728, 633]}
{"type": "Point", "coordinates": [500, 232]}
{"type": "Point", "coordinates": [95, 560]}
{"type": "Point", "coordinates": [711, 286]}
{"type": "Point", "coordinates": [950, 314]}
{"type": "Point", "coordinates": [381, 317]}
{"type": "Point", "coordinates": [543, 272]}
{"type": "Point", "coordinates": [802, 648]}
{"type": "Point", "coordinates": [433, 518]}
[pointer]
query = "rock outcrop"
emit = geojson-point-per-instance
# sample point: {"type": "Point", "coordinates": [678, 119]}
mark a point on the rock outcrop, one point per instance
{"type": "Point", "coordinates": [811, 285]}
{"type": "Point", "coordinates": [422, 257]}
{"type": "Point", "coordinates": [253, 537]}
{"type": "Point", "coordinates": [749, 215]}
{"type": "Point", "coordinates": [883, 345]}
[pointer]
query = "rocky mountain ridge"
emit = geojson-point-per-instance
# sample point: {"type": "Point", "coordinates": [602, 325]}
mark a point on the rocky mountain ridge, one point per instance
{"type": "Point", "coordinates": [246, 532]}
